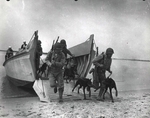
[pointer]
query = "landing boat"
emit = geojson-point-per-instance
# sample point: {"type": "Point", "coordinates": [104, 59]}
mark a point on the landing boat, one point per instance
{"type": "Point", "coordinates": [21, 67]}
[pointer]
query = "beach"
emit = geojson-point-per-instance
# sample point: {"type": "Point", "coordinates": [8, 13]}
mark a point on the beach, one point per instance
{"type": "Point", "coordinates": [19, 103]}
{"type": "Point", "coordinates": [133, 104]}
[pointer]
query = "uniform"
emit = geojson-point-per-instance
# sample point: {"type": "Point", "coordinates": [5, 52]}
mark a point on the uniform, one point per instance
{"type": "Point", "coordinates": [102, 64]}
{"type": "Point", "coordinates": [56, 60]}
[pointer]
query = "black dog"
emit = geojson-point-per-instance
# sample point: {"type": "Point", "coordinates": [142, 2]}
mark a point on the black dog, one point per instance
{"type": "Point", "coordinates": [109, 83]}
{"type": "Point", "coordinates": [42, 69]}
{"type": "Point", "coordinates": [85, 83]}
{"type": "Point", "coordinates": [69, 74]}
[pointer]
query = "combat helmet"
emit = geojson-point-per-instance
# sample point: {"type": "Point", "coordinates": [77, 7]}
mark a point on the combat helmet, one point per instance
{"type": "Point", "coordinates": [109, 50]}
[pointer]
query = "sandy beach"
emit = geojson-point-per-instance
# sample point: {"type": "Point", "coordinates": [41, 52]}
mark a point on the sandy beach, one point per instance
{"type": "Point", "coordinates": [19, 103]}
{"type": "Point", "coordinates": [133, 104]}
{"type": "Point", "coordinates": [89, 27]}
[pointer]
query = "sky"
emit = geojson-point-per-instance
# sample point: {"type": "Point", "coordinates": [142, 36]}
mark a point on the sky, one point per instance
{"type": "Point", "coordinates": [123, 25]}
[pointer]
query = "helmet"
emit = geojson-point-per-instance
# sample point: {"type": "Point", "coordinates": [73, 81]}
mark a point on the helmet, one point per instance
{"type": "Point", "coordinates": [109, 50]}
{"type": "Point", "coordinates": [39, 42]}
{"type": "Point", "coordinates": [57, 46]}
{"type": "Point", "coordinates": [63, 42]}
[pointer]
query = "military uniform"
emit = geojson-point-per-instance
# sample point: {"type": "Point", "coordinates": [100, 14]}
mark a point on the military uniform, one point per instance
{"type": "Point", "coordinates": [56, 61]}
{"type": "Point", "coordinates": [102, 64]}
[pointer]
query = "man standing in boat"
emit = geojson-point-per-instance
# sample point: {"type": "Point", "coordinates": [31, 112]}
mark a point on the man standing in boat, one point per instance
{"type": "Point", "coordinates": [56, 60]}
{"type": "Point", "coordinates": [9, 52]}
{"type": "Point", "coordinates": [102, 64]}
{"type": "Point", "coordinates": [24, 45]}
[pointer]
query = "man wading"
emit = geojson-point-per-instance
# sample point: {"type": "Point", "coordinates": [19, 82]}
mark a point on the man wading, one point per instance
{"type": "Point", "coordinates": [56, 60]}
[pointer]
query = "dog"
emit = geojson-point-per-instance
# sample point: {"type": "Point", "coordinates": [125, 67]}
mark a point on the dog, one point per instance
{"type": "Point", "coordinates": [42, 69]}
{"type": "Point", "coordinates": [69, 74]}
{"type": "Point", "coordinates": [109, 83]}
{"type": "Point", "coordinates": [85, 83]}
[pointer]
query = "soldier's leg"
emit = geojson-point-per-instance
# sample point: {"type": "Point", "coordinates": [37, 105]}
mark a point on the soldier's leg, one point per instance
{"type": "Point", "coordinates": [60, 80]}
{"type": "Point", "coordinates": [102, 89]}
{"type": "Point", "coordinates": [52, 80]}
{"type": "Point", "coordinates": [95, 80]}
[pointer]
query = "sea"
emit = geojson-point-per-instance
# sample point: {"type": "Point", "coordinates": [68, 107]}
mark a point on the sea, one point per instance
{"type": "Point", "coordinates": [128, 75]}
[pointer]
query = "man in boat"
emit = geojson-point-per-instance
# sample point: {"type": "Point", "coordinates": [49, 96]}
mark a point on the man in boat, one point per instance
{"type": "Point", "coordinates": [39, 52]}
{"type": "Point", "coordinates": [102, 64]}
{"type": "Point", "coordinates": [24, 45]}
{"type": "Point", "coordinates": [9, 52]}
{"type": "Point", "coordinates": [56, 60]}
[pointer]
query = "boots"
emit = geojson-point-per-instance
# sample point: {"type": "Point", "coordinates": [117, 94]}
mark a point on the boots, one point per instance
{"type": "Point", "coordinates": [55, 90]}
{"type": "Point", "coordinates": [61, 90]}
{"type": "Point", "coordinates": [100, 96]}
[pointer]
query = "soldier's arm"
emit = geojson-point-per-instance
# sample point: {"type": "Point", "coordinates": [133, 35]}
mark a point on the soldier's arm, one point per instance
{"type": "Point", "coordinates": [96, 60]}
{"type": "Point", "coordinates": [68, 52]}
{"type": "Point", "coordinates": [108, 69]}
{"type": "Point", "coordinates": [48, 58]}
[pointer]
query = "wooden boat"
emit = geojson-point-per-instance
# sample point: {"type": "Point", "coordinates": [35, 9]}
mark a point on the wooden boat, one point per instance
{"type": "Point", "coordinates": [84, 53]}
{"type": "Point", "coordinates": [21, 68]}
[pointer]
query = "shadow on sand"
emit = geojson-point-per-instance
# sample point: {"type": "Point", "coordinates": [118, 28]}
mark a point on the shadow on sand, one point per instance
{"type": "Point", "coordinates": [9, 90]}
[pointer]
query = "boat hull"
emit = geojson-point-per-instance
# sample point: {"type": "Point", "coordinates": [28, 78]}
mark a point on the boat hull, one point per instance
{"type": "Point", "coordinates": [20, 68]}
{"type": "Point", "coordinates": [20, 83]}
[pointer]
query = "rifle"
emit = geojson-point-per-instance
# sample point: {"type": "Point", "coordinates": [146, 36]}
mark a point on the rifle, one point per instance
{"type": "Point", "coordinates": [57, 39]}
{"type": "Point", "coordinates": [54, 43]}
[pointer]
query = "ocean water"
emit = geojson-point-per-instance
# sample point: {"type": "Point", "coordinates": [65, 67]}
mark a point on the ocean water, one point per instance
{"type": "Point", "coordinates": [129, 75]}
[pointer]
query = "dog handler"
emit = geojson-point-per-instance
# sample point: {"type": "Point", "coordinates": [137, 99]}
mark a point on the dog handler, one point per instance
{"type": "Point", "coordinates": [56, 60]}
{"type": "Point", "coordinates": [103, 64]}
{"type": "Point", "coordinates": [64, 48]}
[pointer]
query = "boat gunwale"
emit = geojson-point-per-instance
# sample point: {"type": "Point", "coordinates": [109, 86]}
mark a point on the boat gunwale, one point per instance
{"type": "Point", "coordinates": [16, 56]}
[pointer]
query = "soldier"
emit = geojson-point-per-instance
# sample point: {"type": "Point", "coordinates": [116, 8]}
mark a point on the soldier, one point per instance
{"type": "Point", "coordinates": [24, 45]}
{"type": "Point", "coordinates": [39, 52]}
{"type": "Point", "coordinates": [64, 48]}
{"type": "Point", "coordinates": [103, 64]}
{"type": "Point", "coordinates": [9, 52]}
{"type": "Point", "coordinates": [56, 60]}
